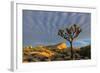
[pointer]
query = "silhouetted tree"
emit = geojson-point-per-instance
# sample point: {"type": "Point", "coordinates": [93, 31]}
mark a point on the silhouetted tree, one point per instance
{"type": "Point", "coordinates": [70, 34]}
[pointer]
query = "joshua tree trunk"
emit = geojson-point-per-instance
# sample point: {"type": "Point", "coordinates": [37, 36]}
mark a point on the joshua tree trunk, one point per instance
{"type": "Point", "coordinates": [71, 50]}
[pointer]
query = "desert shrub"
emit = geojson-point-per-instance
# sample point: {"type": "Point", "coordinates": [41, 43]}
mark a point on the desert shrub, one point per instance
{"type": "Point", "coordinates": [30, 58]}
{"type": "Point", "coordinates": [35, 59]}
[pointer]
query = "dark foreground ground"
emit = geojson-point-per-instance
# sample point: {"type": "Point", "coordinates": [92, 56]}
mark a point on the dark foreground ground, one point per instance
{"type": "Point", "coordinates": [52, 53]}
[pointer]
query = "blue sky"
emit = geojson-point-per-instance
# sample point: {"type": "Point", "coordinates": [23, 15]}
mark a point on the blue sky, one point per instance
{"type": "Point", "coordinates": [41, 27]}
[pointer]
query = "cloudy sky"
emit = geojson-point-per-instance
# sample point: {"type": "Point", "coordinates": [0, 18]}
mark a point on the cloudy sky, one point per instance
{"type": "Point", "coordinates": [41, 27]}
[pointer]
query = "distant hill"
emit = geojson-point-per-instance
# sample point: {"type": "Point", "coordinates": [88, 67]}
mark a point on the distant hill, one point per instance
{"type": "Point", "coordinates": [86, 51]}
{"type": "Point", "coordinates": [59, 46]}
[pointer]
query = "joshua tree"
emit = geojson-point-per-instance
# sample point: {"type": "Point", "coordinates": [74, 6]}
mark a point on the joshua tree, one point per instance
{"type": "Point", "coordinates": [70, 34]}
